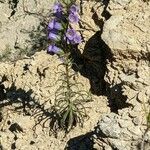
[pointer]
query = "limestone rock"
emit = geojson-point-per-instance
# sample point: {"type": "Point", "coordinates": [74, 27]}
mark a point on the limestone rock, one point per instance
{"type": "Point", "coordinates": [18, 34]}
{"type": "Point", "coordinates": [126, 33]}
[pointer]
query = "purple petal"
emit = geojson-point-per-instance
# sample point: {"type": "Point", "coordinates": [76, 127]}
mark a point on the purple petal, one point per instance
{"type": "Point", "coordinates": [73, 18]}
{"type": "Point", "coordinates": [53, 36]}
{"type": "Point", "coordinates": [70, 34]}
{"type": "Point", "coordinates": [50, 48]}
{"type": "Point", "coordinates": [77, 39]}
{"type": "Point", "coordinates": [54, 24]}
{"type": "Point", "coordinates": [58, 26]}
{"type": "Point", "coordinates": [53, 49]}
{"type": "Point", "coordinates": [74, 9]}
{"type": "Point", "coordinates": [57, 7]}
{"type": "Point", "coordinates": [51, 25]}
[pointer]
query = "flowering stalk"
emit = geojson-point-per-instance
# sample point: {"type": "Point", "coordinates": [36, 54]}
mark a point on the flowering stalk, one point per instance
{"type": "Point", "coordinates": [69, 99]}
{"type": "Point", "coordinates": [61, 34]}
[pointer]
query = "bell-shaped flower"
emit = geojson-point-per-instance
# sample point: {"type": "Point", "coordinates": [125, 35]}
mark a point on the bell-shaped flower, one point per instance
{"type": "Point", "coordinates": [70, 34]}
{"type": "Point", "coordinates": [57, 8]}
{"type": "Point", "coordinates": [74, 9]}
{"type": "Point", "coordinates": [53, 49]}
{"type": "Point", "coordinates": [54, 24]}
{"type": "Point", "coordinates": [53, 35]}
{"type": "Point", "coordinates": [73, 18]}
{"type": "Point", "coordinates": [77, 39]}
{"type": "Point", "coordinates": [71, 37]}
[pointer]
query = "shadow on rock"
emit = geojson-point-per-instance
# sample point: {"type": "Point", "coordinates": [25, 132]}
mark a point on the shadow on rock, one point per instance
{"type": "Point", "coordinates": [92, 64]}
{"type": "Point", "coordinates": [13, 96]}
{"type": "Point", "coordinates": [116, 99]}
{"type": "Point", "coordinates": [82, 142]}
{"type": "Point", "coordinates": [23, 101]}
{"type": "Point", "coordinates": [86, 141]}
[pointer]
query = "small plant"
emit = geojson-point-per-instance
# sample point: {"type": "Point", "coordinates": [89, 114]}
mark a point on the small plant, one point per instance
{"type": "Point", "coordinates": [69, 98]}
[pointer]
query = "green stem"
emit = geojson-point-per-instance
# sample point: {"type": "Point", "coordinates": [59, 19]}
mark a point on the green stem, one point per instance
{"type": "Point", "coordinates": [67, 79]}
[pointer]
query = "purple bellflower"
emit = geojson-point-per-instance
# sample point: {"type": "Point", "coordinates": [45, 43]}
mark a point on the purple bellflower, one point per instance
{"type": "Point", "coordinates": [73, 14]}
{"type": "Point", "coordinates": [55, 25]}
{"type": "Point", "coordinates": [70, 34]}
{"type": "Point", "coordinates": [73, 18]}
{"type": "Point", "coordinates": [53, 35]}
{"type": "Point", "coordinates": [72, 37]}
{"type": "Point", "coordinates": [57, 8]}
{"type": "Point", "coordinates": [77, 39]}
{"type": "Point", "coordinates": [74, 9]}
{"type": "Point", "coordinates": [53, 49]}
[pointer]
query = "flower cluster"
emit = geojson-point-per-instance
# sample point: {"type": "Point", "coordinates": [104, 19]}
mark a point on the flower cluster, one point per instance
{"type": "Point", "coordinates": [61, 34]}
{"type": "Point", "coordinates": [72, 37]}
{"type": "Point", "coordinates": [73, 14]}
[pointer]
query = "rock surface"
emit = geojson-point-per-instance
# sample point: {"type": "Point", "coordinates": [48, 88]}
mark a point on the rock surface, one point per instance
{"type": "Point", "coordinates": [127, 34]}
{"type": "Point", "coordinates": [117, 62]}
{"type": "Point", "coordinates": [24, 83]}
{"type": "Point", "coordinates": [18, 36]}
